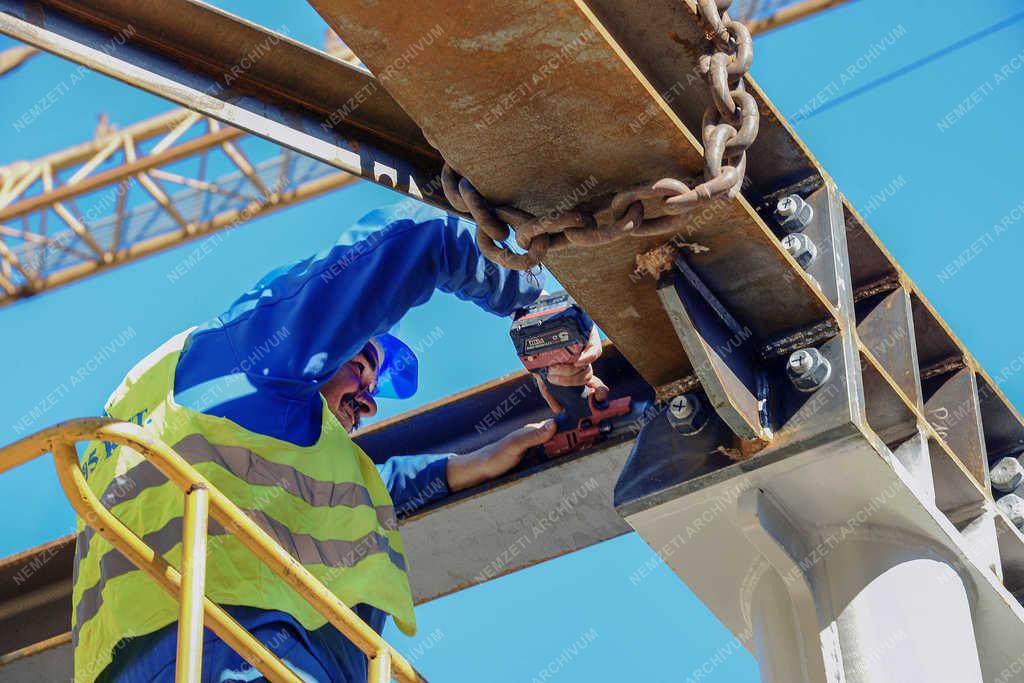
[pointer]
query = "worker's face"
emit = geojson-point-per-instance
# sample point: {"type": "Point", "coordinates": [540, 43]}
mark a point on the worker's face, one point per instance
{"type": "Point", "coordinates": [349, 392]}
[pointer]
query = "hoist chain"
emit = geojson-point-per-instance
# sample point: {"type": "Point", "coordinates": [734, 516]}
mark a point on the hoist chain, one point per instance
{"type": "Point", "coordinates": [728, 129]}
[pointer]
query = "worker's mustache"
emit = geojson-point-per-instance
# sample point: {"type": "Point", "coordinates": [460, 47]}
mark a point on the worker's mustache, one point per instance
{"type": "Point", "coordinates": [355, 406]}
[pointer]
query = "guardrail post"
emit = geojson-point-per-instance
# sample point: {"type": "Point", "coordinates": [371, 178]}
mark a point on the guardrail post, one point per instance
{"type": "Point", "coordinates": [193, 585]}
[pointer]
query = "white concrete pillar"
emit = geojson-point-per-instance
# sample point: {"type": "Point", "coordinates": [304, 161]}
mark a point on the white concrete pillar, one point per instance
{"type": "Point", "coordinates": [777, 641]}
{"type": "Point", "coordinates": [901, 611]}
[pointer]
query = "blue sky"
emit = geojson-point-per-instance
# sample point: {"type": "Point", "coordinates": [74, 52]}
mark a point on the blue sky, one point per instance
{"type": "Point", "coordinates": [874, 90]}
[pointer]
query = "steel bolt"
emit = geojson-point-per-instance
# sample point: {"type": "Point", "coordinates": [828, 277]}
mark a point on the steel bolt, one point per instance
{"type": "Point", "coordinates": [1013, 506]}
{"type": "Point", "coordinates": [1007, 474]}
{"type": "Point", "coordinates": [801, 248]}
{"type": "Point", "coordinates": [686, 413]}
{"type": "Point", "coordinates": [793, 213]}
{"type": "Point", "coordinates": [682, 407]}
{"type": "Point", "coordinates": [808, 369]}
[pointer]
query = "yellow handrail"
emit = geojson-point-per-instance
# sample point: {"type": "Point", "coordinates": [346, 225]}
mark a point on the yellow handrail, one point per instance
{"type": "Point", "coordinates": [201, 499]}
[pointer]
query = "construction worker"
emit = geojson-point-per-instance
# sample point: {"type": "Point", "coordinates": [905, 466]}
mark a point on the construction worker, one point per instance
{"type": "Point", "coordinates": [260, 400]}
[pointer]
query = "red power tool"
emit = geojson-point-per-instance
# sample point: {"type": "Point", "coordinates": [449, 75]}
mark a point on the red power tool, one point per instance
{"type": "Point", "coordinates": [554, 330]}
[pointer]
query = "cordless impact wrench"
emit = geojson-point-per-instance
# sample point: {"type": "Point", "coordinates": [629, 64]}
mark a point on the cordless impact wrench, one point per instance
{"type": "Point", "coordinates": [554, 330]}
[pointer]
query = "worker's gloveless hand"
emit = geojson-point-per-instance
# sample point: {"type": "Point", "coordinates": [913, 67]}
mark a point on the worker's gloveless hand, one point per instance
{"type": "Point", "coordinates": [578, 374]}
{"type": "Point", "coordinates": [495, 459]}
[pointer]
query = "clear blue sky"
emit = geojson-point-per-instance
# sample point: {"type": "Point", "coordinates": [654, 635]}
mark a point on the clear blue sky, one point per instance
{"type": "Point", "coordinates": [874, 80]}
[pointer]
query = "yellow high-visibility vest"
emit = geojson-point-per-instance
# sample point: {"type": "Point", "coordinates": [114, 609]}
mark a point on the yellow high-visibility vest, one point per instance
{"type": "Point", "coordinates": [325, 504]}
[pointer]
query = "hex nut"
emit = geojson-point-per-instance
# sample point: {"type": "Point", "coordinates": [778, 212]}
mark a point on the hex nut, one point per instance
{"type": "Point", "coordinates": [808, 369]}
{"type": "Point", "coordinates": [1007, 474]}
{"type": "Point", "coordinates": [1013, 506]}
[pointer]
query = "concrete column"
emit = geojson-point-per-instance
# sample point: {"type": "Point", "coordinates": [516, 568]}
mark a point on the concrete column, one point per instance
{"type": "Point", "coordinates": [902, 612]}
{"type": "Point", "coordinates": [864, 604]}
{"type": "Point", "coordinates": [777, 641]}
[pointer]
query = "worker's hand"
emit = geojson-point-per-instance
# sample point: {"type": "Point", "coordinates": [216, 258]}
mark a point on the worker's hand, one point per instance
{"type": "Point", "coordinates": [578, 374]}
{"type": "Point", "coordinates": [495, 459]}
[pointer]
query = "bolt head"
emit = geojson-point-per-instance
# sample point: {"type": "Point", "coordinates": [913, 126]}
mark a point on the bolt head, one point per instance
{"type": "Point", "coordinates": [681, 407]}
{"type": "Point", "coordinates": [800, 247]}
{"type": "Point", "coordinates": [793, 213]}
{"type": "Point", "coordinates": [808, 369]}
{"type": "Point", "coordinates": [801, 362]}
{"type": "Point", "coordinates": [787, 206]}
{"type": "Point", "coordinates": [687, 414]}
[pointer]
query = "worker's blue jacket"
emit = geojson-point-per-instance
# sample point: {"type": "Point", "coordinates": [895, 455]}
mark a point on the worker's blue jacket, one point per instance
{"type": "Point", "coordinates": [304, 321]}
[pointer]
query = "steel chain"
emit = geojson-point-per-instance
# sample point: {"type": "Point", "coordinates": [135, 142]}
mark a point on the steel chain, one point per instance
{"type": "Point", "coordinates": [729, 127]}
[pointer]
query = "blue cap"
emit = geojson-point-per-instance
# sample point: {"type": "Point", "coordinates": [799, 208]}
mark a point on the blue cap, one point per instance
{"type": "Point", "coordinates": [398, 367]}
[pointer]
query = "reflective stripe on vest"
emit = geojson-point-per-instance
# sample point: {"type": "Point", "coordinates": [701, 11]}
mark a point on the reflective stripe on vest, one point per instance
{"type": "Point", "coordinates": [325, 504]}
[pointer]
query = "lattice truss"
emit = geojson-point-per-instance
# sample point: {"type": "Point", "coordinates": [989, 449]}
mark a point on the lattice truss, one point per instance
{"type": "Point", "coordinates": [132, 192]}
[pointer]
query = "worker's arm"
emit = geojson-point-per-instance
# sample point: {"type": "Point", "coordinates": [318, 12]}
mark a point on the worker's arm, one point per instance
{"type": "Point", "coordinates": [282, 339]}
{"type": "Point", "coordinates": [333, 302]}
{"type": "Point", "coordinates": [415, 480]}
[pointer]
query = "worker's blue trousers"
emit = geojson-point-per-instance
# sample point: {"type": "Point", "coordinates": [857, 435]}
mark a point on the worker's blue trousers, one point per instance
{"type": "Point", "coordinates": [153, 658]}
{"type": "Point", "coordinates": [221, 664]}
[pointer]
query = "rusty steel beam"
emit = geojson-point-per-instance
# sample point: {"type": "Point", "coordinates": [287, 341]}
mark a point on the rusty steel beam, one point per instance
{"type": "Point", "coordinates": [188, 48]}
{"type": "Point", "coordinates": [571, 118]}
{"type": "Point", "coordinates": [659, 67]}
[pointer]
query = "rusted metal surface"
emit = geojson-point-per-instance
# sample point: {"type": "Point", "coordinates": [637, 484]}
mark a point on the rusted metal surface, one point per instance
{"type": "Point", "coordinates": [890, 414]}
{"type": "Point", "coordinates": [870, 263]}
{"type": "Point", "coordinates": [943, 367]}
{"type": "Point", "coordinates": [935, 343]}
{"type": "Point", "coordinates": [665, 41]}
{"type": "Point", "coordinates": [649, 209]}
{"type": "Point", "coordinates": [886, 326]}
{"type": "Point", "coordinates": [515, 100]}
{"type": "Point", "coordinates": [952, 407]}
{"type": "Point", "coordinates": [880, 286]}
{"type": "Point", "coordinates": [314, 84]}
{"type": "Point", "coordinates": [810, 336]}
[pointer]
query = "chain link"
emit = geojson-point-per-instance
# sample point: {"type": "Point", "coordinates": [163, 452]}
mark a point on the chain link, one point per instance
{"type": "Point", "coordinates": [728, 129]}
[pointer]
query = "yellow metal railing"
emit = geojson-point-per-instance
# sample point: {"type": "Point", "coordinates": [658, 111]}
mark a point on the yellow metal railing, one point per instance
{"type": "Point", "coordinates": [201, 500]}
